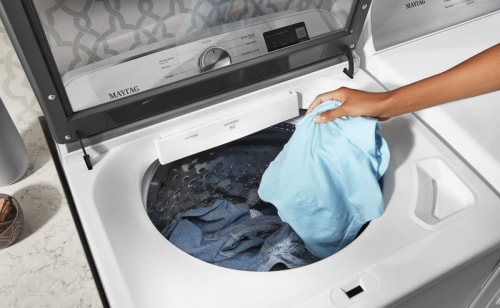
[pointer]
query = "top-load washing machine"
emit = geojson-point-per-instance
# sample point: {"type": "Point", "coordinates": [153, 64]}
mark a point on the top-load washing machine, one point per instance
{"type": "Point", "coordinates": [141, 97]}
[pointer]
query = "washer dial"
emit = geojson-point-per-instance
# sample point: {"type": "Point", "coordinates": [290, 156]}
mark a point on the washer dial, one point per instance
{"type": "Point", "coordinates": [214, 57]}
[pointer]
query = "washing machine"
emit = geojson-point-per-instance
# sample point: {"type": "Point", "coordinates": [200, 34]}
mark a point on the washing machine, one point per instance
{"type": "Point", "coordinates": [135, 92]}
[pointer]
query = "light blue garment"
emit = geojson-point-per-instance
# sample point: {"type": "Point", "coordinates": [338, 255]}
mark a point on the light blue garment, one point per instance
{"type": "Point", "coordinates": [325, 181]}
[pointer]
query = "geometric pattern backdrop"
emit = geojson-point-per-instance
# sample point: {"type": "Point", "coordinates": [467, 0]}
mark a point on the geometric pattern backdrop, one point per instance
{"type": "Point", "coordinates": [81, 32]}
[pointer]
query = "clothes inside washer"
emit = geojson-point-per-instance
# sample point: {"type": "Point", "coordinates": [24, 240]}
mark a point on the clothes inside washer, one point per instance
{"type": "Point", "coordinates": [234, 236]}
{"type": "Point", "coordinates": [325, 182]}
{"type": "Point", "coordinates": [231, 172]}
{"type": "Point", "coordinates": [193, 186]}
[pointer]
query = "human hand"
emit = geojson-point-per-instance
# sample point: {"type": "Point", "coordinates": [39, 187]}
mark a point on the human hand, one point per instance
{"type": "Point", "coordinates": [354, 103]}
{"type": "Point", "coordinates": [453, 84]}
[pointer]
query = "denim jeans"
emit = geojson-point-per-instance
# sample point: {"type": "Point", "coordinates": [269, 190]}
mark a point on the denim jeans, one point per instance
{"type": "Point", "coordinates": [233, 236]}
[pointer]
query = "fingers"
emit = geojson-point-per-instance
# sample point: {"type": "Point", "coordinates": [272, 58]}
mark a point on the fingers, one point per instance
{"type": "Point", "coordinates": [329, 115]}
{"type": "Point", "coordinates": [335, 95]}
{"type": "Point", "coordinates": [314, 104]}
{"type": "Point", "coordinates": [354, 103]}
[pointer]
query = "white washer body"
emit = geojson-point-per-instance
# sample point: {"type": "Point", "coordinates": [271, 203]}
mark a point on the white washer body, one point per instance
{"type": "Point", "coordinates": [435, 245]}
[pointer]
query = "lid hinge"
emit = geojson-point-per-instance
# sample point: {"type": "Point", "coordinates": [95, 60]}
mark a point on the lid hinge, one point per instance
{"type": "Point", "coordinates": [86, 157]}
{"type": "Point", "coordinates": [350, 70]}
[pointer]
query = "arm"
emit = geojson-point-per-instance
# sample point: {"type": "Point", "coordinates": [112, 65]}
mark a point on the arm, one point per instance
{"type": "Point", "coordinates": [477, 75]}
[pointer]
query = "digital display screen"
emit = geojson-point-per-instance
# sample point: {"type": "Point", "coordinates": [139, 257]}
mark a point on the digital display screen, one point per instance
{"type": "Point", "coordinates": [286, 36]}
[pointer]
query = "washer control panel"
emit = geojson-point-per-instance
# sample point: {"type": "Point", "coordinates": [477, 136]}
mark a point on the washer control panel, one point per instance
{"type": "Point", "coordinates": [154, 69]}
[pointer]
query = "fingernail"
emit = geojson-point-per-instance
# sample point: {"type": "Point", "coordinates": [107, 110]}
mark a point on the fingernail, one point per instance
{"type": "Point", "coordinates": [318, 119]}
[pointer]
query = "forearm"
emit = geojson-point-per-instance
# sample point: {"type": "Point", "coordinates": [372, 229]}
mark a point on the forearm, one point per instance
{"type": "Point", "coordinates": [477, 75]}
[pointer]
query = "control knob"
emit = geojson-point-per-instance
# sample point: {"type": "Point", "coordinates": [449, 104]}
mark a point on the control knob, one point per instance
{"type": "Point", "coordinates": [214, 57]}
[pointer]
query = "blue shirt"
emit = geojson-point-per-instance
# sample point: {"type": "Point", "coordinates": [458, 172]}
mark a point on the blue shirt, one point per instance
{"type": "Point", "coordinates": [325, 181]}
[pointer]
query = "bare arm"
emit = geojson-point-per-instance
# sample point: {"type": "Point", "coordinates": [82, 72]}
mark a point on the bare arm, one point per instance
{"type": "Point", "coordinates": [477, 75]}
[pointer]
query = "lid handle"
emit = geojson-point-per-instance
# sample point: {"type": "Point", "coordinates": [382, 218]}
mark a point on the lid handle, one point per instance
{"type": "Point", "coordinates": [350, 70]}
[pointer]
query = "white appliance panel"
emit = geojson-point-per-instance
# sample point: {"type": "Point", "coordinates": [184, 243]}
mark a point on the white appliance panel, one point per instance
{"type": "Point", "coordinates": [439, 234]}
{"type": "Point", "coordinates": [140, 268]}
{"type": "Point", "coordinates": [396, 22]}
{"type": "Point", "coordinates": [470, 125]}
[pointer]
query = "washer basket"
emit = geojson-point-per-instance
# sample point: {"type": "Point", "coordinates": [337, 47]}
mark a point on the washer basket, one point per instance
{"type": "Point", "coordinates": [231, 171]}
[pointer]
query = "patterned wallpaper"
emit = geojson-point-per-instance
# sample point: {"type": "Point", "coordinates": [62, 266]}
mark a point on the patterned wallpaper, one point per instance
{"type": "Point", "coordinates": [15, 90]}
{"type": "Point", "coordinates": [85, 31]}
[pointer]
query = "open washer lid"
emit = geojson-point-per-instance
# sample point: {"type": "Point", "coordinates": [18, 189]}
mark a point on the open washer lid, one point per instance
{"type": "Point", "coordinates": [96, 66]}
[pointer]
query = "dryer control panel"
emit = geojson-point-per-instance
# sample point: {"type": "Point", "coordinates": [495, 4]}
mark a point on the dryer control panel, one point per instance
{"type": "Point", "coordinates": [395, 22]}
